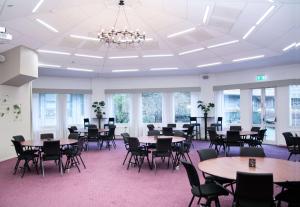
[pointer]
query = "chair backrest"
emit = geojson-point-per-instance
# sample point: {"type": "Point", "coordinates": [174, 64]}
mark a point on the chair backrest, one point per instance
{"type": "Point", "coordinates": [47, 136]}
{"type": "Point", "coordinates": [74, 127]}
{"type": "Point", "coordinates": [18, 147]}
{"type": "Point", "coordinates": [261, 134]}
{"type": "Point", "coordinates": [190, 130]}
{"type": "Point", "coordinates": [133, 144]}
{"type": "Point", "coordinates": [219, 119]}
{"type": "Point", "coordinates": [252, 152]}
{"type": "Point", "coordinates": [171, 125]}
{"type": "Point", "coordinates": [233, 136]}
{"type": "Point", "coordinates": [111, 120]}
{"type": "Point", "coordinates": [179, 134]}
{"type": "Point", "coordinates": [206, 154]}
{"type": "Point", "coordinates": [212, 127]}
{"type": "Point", "coordinates": [51, 147]}
{"type": "Point", "coordinates": [154, 133]}
{"type": "Point", "coordinates": [92, 132]}
{"type": "Point", "coordinates": [255, 129]}
{"type": "Point", "coordinates": [150, 127]}
{"type": "Point", "coordinates": [73, 136]}
{"type": "Point", "coordinates": [111, 130]}
{"type": "Point", "coordinates": [289, 138]}
{"type": "Point", "coordinates": [71, 130]}
{"type": "Point", "coordinates": [193, 119]}
{"type": "Point", "coordinates": [235, 128]}
{"type": "Point", "coordinates": [192, 174]}
{"type": "Point", "coordinates": [86, 122]}
{"type": "Point", "coordinates": [80, 144]}
{"type": "Point", "coordinates": [254, 187]}
{"type": "Point", "coordinates": [213, 136]}
{"type": "Point", "coordinates": [93, 126]}
{"type": "Point", "coordinates": [186, 126]}
{"type": "Point", "coordinates": [164, 144]}
{"type": "Point", "coordinates": [125, 137]}
{"type": "Point", "coordinates": [19, 138]}
{"type": "Point", "coordinates": [168, 131]}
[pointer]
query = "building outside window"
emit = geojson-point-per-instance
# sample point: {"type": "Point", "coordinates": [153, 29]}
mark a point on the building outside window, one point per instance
{"type": "Point", "coordinates": [232, 106]}
{"type": "Point", "coordinates": [152, 107]}
{"type": "Point", "coordinates": [182, 107]}
{"type": "Point", "coordinates": [75, 109]}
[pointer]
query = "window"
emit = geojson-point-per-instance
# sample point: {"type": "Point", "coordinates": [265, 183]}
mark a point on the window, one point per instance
{"type": "Point", "coordinates": [47, 112]}
{"type": "Point", "coordinates": [75, 109]}
{"type": "Point", "coordinates": [232, 106]}
{"type": "Point", "coordinates": [152, 107]}
{"type": "Point", "coordinates": [256, 106]}
{"type": "Point", "coordinates": [182, 107]}
{"type": "Point", "coordinates": [294, 92]}
{"type": "Point", "coordinates": [121, 108]}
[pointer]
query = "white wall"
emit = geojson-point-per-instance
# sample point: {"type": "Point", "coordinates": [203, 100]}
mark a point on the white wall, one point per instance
{"type": "Point", "coordinates": [8, 125]}
{"type": "Point", "coordinates": [98, 85]}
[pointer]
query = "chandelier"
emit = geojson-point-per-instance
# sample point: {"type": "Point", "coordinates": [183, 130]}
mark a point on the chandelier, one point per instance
{"type": "Point", "coordinates": [121, 37]}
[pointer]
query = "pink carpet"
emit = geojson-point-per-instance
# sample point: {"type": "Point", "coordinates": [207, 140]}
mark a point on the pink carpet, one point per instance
{"type": "Point", "coordinates": [105, 182]}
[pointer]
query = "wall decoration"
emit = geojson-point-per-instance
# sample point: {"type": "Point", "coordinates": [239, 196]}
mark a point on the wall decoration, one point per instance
{"type": "Point", "coordinates": [9, 110]}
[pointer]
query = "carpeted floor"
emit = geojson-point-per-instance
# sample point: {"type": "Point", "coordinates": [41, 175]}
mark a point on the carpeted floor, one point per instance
{"type": "Point", "coordinates": [106, 182]}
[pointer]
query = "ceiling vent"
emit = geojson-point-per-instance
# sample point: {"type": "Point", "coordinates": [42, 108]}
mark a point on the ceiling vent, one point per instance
{"type": "Point", "coordinates": [205, 77]}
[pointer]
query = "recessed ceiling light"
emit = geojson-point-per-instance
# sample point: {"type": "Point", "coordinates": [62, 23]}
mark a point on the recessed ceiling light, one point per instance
{"type": "Point", "coordinates": [80, 69]}
{"type": "Point", "coordinates": [298, 44]}
{"type": "Point", "coordinates": [88, 56]}
{"type": "Point", "coordinates": [181, 32]}
{"type": "Point", "coordinates": [84, 37]}
{"type": "Point", "coordinates": [271, 1]}
{"type": "Point", "coordinates": [49, 65]}
{"type": "Point", "coordinates": [265, 15]}
{"type": "Point", "coordinates": [223, 44]}
{"type": "Point", "coordinates": [209, 64]}
{"type": "Point", "coordinates": [157, 69]}
{"type": "Point", "coordinates": [123, 57]}
{"type": "Point", "coordinates": [54, 52]}
{"type": "Point", "coordinates": [249, 32]}
{"type": "Point", "coordinates": [159, 55]}
{"type": "Point", "coordinates": [37, 6]}
{"type": "Point", "coordinates": [205, 15]}
{"type": "Point", "coordinates": [124, 70]}
{"type": "Point", "coordinates": [248, 58]}
{"type": "Point", "coordinates": [294, 44]}
{"type": "Point", "coordinates": [191, 51]}
{"type": "Point", "coordinates": [46, 25]}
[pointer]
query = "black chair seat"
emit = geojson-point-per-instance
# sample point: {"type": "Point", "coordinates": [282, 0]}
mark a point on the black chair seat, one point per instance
{"type": "Point", "coordinates": [29, 155]}
{"type": "Point", "coordinates": [221, 181]}
{"type": "Point", "coordinates": [208, 190]}
{"type": "Point", "coordinates": [161, 154]}
{"type": "Point", "coordinates": [51, 157]}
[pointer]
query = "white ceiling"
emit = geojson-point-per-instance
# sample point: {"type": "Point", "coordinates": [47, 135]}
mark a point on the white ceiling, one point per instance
{"type": "Point", "coordinates": [227, 20]}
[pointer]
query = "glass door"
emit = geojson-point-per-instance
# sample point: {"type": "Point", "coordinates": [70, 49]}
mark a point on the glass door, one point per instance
{"type": "Point", "coordinates": [264, 112]}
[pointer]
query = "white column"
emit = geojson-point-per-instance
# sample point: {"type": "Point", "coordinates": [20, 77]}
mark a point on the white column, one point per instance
{"type": "Point", "coordinates": [246, 109]}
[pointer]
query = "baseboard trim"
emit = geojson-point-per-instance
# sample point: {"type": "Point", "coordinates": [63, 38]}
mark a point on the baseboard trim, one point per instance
{"type": "Point", "coordinates": [7, 158]}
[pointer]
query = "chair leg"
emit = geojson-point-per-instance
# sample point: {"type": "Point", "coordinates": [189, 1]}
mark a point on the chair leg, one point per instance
{"type": "Point", "coordinates": [16, 166]}
{"type": "Point", "coordinates": [82, 161]}
{"type": "Point", "coordinates": [141, 163]}
{"type": "Point", "coordinates": [76, 164]}
{"type": "Point", "coordinates": [191, 202]}
{"type": "Point", "coordinates": [217, 202]}
{"type": "Point", "coordinates": [125, 157]}
{"type": "Point", "coordinates": [129, 161]}
{"type": "Point", "coordinates": [36, 166]}
{"type": "Point", "coordinates": [290, 155]}
{"type": "Point", "coordinates": [43, 170]}
{"type": "Point", "coordinates": [149, 162]}
{"type": "Point", "coordinates": [60, 166]}
{"type": "Point", "coordinates": [189, 157]}
{"type": "Point", "coordinates": [199, 200]}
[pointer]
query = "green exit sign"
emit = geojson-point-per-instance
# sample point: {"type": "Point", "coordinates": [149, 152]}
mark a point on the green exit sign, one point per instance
{"type": "Point", "coordinates": [260, 77]}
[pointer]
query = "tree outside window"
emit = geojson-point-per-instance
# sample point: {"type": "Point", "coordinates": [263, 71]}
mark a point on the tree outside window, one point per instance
{"type": "Point", "coordinates": [182, 107]}
{"type": "Point", "coordinates": [121, 108]}
{"type": "Point", "coordinates": [152, 107]}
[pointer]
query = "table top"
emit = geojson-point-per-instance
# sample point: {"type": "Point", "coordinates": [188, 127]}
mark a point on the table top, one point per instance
{"type": "Point", "coordinates": [227, 167]}
{"type": "Point", "coordinates": [153, 140]}
{"type": "Point", "coordinates": [85, 130]}
{"type": "Point", "coordinates": [39, 143]}
{"type": "Point", "coordinates": [242, 133]}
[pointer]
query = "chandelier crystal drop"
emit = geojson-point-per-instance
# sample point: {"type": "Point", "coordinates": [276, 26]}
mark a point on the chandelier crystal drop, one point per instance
{"type": "Point", "coordinates": [121, 36]}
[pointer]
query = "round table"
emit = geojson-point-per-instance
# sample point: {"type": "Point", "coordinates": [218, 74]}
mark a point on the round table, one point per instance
{"type": "Point", "coordinates": [227, 167]}
{"type": "Point", "coordinates": [242, 133]}
{"type": "Point", "coordinates": [39, 143]}
{"type": "Point", "coordinates": [153, 140]}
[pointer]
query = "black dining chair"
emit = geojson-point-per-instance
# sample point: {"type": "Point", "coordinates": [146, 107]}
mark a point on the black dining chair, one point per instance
{"type": "Point", "coordinates": [138, 153]}
{"type": "Point", "coordinates": [289, 194]}
{"type": "Point", "coordinates": [197, 126]}
{"type": "Point", "coordinates": [209, 191]}
{"type": "Point", "coordinates": [291, 144]}
{"type": "Point", "coordinates": [111, 121]}
{"type": "Point", "coordinates": [252, 152]}
{"type": "Point", "coordinates": [48, 136]}
{"type": "Point", "coordinates": [253, 189]}
{"type": "Point", "coordinates": [233, 139]}
{"type": "Point", "coordinates": [207, 154]}
{"type": "Point", "coordinates": [27, 156]}
{"type": "Point", "coordinates": [150, 127]}
{"type": "Point", "coordinates": [167, 131]}
{"type": "Point", "coordinates": [86, 122]}
{"type": "Point", "coordinates": [235, 128]}
{"type": "Point", "coordinates": [51, 151]}
{"type": "Point", "coordinates": [74, 155]}
{"type": "Point", "coordinates": [218, 124]}
{"type": "Point", "coordinates": [93, 136]}
{"type": "Point", "coordinates": [154, 133]}
{"type": "Point", "coordinates": [108, 138]}
{"type": "Point", "coordinates": [19, 138]}
{"type": "Point", "coordinates": [215, 140]}
{"type": "Point", "coordinates": [125, 137]}
{"type": "Point", "coordinates": [171, 125]}
{"type": "Point", "coordinates": [163, 150]}
{"type": "Point", "coordinates": [258, 139]}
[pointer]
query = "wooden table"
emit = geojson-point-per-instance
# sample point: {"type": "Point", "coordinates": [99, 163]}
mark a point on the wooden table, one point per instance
{"type": "Point", "coordinates": [153, 140]}
{"type": "Point", "coordinates": [242, 133]}
{"type": "Point", "coordinates": [85, 130]}
{"type": "Point", "coordinates": [227, 167]}
{"type": "Point", "coordinates": [39, 143]}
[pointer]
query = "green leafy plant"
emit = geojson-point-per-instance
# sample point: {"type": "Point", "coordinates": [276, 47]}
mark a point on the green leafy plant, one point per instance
{"type": "Point", "coordinates": [205, 107]}
{"type": "Point", "coordinates": [98, 107]}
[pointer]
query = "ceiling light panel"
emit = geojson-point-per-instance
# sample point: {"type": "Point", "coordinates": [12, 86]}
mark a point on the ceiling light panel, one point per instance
{"type": "Point", "coordinates": [37, 6]}
{"type": "Point", "coordinates": [123, 57]}
{"type": "Point", "coordinates": [49, 65]}
{"type": "Point", "coordinates": [248, 58]}
{"type": "Point", "coordinates": [80, 69]}
{"type": "Point", "coordinates": [191, 51]}
{"type": "Point", "coordinates": [223, 44]}
{"type": "Point", "coordinates": [88, 56]}
{"type": "Point", "coordinates": [249, 32]}
{"type": "Point", "coordinates": [125, 70]}
{"type": "Point", "coordinates": [84, 37]}
{"type": "Point", "coordinates": [181, 32]}
{"type": "Point", "coordinates": [48, 26]}
{"type": "Point", "coordinates": [54, 52]}
{"type": "Point", "coordinates": [158, 69]}
{"type": "Point", "coordinates": [294, 44]}
{"type": "Point", "coordinates": [265, 15]}
{"type": "Point", "coordinates": [209, 64]}
{"type": "Point", "coordinates": [158, 55]}
{"type": "Point", "coordinates": [206, 14]}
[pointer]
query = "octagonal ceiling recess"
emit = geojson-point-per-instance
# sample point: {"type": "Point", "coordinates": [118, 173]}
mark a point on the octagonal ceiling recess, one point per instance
{"type": "Point", "coordinates": [181, 35]}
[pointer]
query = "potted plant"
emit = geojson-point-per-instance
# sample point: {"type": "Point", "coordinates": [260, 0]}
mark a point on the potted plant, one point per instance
{"type": "Point", "coordinates": [98, 107]}
{"type": "Point", "coordinates": [205, 107]}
